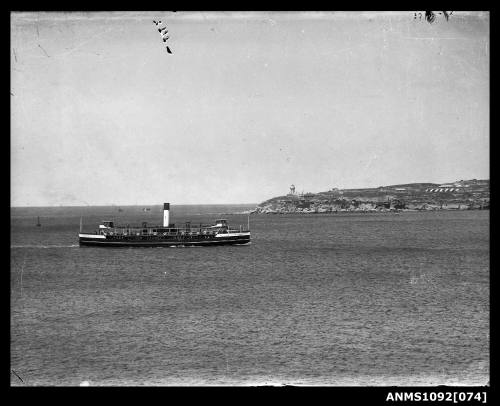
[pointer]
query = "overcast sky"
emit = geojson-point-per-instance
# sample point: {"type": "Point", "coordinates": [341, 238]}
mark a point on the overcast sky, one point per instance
{"type": "Point", "coordinates": [247, 104]}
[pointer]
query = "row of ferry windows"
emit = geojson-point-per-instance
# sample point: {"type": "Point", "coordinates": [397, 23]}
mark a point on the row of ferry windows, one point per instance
{"type": "Point", "coordinates": [204, 232]}
{"type": "Point", "coordinates": [175, 230]}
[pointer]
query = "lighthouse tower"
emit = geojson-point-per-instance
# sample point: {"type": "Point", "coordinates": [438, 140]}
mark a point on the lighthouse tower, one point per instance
{"type": "Point", "coordinates": [292, 189]}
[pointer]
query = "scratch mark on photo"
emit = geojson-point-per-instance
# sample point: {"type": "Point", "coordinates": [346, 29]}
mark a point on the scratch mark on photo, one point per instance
{"type": "Point", "coordinates": [15, 373]}
{"type": "Point", "coordinates": [44, 51]}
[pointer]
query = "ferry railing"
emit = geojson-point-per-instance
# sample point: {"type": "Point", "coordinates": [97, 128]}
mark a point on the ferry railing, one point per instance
{"type": "Point", "coordinates": [204, 230]}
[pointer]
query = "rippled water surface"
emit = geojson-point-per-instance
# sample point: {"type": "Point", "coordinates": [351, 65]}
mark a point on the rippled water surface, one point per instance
{"type": "Point", "coordinates": [338, 299]}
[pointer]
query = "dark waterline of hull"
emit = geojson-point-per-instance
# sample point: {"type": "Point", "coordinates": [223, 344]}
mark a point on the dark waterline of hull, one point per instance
{"type": "Point", "coordinates": [94, 243]}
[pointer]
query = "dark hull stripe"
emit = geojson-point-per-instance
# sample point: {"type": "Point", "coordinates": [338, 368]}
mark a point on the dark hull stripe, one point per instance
{"type": "Point", "coordinates": [108, 243]}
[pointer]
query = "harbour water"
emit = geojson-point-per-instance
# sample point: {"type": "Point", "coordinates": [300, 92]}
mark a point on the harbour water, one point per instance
{"type": "Point", "coordinates": [333, 299]}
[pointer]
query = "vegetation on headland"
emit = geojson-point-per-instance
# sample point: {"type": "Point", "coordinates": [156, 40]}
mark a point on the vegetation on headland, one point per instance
{"type": "Point", "coordinates": [461, 195]}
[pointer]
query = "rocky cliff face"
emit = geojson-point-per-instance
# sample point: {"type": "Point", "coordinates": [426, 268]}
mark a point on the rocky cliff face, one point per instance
{"type": "Point", "coordinates": [461, 195]}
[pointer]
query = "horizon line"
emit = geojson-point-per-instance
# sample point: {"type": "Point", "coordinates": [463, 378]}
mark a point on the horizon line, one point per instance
{"type": "Point", "coordinates": [136, 205]}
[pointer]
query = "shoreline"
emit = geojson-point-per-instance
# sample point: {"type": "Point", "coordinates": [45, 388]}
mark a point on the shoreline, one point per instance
{"type": "Point", "coordinates": [341, 211]}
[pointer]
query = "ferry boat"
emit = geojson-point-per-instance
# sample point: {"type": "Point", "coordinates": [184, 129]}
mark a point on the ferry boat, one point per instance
{"type": "Point", "coordinates": [166, 235]}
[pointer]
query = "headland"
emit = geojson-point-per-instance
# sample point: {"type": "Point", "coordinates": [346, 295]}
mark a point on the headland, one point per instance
{"type": "Point", "coordinates": [460, 195]}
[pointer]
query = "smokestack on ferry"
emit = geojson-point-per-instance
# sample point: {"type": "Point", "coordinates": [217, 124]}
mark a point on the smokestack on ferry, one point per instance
{"type": "Point", "coordinates": [166, 212]}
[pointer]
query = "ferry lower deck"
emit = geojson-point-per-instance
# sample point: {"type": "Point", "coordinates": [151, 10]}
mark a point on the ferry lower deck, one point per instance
{"type": "Point", "coordinates": [236, 238]}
